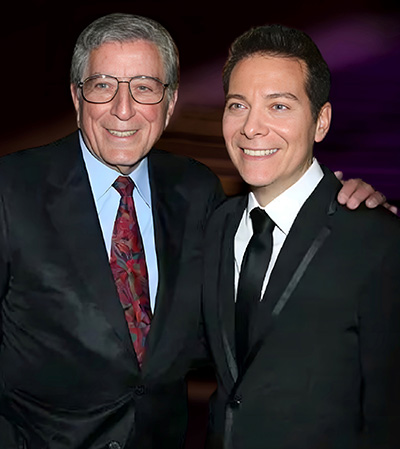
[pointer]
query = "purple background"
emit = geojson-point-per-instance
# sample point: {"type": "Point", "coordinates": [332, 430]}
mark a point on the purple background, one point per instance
{"type": "Point", "coordinates": [360, 41]}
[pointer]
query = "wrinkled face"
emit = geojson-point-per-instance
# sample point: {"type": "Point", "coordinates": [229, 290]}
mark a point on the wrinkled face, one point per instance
{"type": "Point", "coordinates": [267, 125]}
{"type": "Point", "coordinates": [121, 133]}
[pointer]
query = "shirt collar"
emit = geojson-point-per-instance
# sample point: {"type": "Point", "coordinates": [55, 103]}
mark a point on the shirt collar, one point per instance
{"type": "Point", "coordinates": [284, 208]}
{"type": "Point", "coordinates": [102, 177]}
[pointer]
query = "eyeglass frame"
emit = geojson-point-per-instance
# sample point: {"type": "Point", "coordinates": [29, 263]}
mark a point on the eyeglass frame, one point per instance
{"type": "Point", "coordinates": [81, 84]}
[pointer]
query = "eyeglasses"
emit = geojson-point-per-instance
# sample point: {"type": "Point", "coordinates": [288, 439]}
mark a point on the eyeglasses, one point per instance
{"type": "Point", "coordinates": [103, 89]}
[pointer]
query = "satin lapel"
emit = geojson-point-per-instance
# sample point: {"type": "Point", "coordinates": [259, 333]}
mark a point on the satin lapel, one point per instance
{"type": "Point", "coordinates": [226, 290]}
{"type": "Point", "coordinates": [300, 270]}
{"type": "Point", "coordinates": [169, 207]}
{"type": "Point", "coordinates": [72, 210]}
{"type": "Point", "coordinates": [307, 236]}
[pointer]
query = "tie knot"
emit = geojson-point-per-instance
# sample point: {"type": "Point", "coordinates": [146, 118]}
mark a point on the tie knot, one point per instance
{"type": "Point", "coordinates": [124, 185]}
{"type": "Point", "coordinates": [261, 221]}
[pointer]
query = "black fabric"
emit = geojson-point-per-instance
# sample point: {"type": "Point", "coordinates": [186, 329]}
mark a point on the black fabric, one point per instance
{"type": "Point", "coordinates": [69, 378]}
{"type": "Point", "coordinates": [254, 266]}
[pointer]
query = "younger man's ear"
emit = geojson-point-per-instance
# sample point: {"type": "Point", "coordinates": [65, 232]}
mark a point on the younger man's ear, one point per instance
{"type": "Point", "coordinates": [323, 122]}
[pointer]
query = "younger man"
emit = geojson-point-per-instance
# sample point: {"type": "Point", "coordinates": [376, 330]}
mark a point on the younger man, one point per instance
{"type": "Point", "coordinates": [301, 295]}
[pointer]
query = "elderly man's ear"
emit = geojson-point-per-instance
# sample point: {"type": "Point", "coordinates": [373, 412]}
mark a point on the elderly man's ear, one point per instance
{"type": "Point", "coordinates": [76, 100]}
{"type": "Point", "coordinates": [171, 108]}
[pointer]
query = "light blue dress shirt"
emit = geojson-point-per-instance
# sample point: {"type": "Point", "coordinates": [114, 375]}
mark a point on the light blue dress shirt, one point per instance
{"type": "Point", "coordinates": [107, 200]}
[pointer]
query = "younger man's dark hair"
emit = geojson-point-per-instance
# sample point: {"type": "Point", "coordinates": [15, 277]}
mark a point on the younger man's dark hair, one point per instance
{"type": "Point", "coordinates": [281, 41]}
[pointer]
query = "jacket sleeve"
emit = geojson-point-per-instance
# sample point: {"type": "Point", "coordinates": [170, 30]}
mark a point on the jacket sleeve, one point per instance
{"type": "Point", "coordinates": [379, 339]}
{"type": "Point", "coordinates": [10, 437]}
{"type": "Point", "coordinates": [4, 260]}
{"type": "Point", "coordinates": [216, 196]}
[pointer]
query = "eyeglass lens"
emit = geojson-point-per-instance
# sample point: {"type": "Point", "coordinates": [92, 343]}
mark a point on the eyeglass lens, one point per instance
{"type": "Point", "coordinates": [101, 89]}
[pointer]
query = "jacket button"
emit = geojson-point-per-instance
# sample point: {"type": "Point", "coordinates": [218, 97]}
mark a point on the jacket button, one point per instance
{"type": "Point", "coordinates": [236, 401]}
{"type": "Point", "coordinates": [114, 445]}
{"type": "Point", "coordinates": [139, 390]}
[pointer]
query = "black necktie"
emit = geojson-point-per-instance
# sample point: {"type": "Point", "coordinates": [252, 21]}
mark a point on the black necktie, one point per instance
{"type": "Point", "coordinates": [252, 273]}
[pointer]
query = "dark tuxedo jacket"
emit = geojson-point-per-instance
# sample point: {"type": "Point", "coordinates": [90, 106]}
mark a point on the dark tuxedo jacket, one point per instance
{"type": "Point", "coordinates": [69, 377]}
{"type": "Point", "coordinates": [323, 371]}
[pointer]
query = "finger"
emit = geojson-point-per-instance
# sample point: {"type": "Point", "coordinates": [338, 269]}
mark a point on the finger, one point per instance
{"type": "Point", "coordinates": [354, 192]}
{"type": "Point", "coordinates": [339, 175]}
{"type": "Point", "coordinates": [375, 199]}
{"type": "Point", "coordinates": [390, 207]}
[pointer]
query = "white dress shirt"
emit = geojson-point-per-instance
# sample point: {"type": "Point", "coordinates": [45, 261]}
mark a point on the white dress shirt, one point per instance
{"type": "Point", "coordinates": [283, 211]}
{"type": "Point", "coordinates": [107, 201]}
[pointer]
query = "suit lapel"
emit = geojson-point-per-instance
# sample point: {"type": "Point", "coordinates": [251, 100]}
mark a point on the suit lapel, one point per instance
{"type": "Point", "coordinates": [72, 210]}
{"type": "Point", "coordinates": [307, 236]}
{"type": "Point", "coordinates": [226, 290]}
{"type": "Point", "coordinates": [169, 207]}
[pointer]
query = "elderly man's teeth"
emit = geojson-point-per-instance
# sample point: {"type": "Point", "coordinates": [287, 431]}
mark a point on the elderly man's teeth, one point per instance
{"type": "Point", "coordinates": [122, 133]}
{"type": "Point", "coordinates": [259, 152]}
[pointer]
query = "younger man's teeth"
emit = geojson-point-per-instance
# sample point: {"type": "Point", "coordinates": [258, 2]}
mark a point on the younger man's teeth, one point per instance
{"type": "Point", "coordinates": [259, 152]}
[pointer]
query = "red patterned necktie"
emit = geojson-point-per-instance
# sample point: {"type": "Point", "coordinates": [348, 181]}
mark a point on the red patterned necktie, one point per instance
{"type": "Point", "coordinates": [129, 269]}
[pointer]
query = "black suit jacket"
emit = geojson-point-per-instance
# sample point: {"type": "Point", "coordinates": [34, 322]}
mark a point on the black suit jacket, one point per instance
{"type": "Point", "coordinates": [324, 368]}
{"type": "Point", "coordinates": [69, 377]}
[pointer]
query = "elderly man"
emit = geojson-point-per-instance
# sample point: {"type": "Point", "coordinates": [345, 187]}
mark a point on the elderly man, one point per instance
{"type": "Point", "coordinates": [100, 258]}
{"type": "Point", "coordinates": [301, 296]}
{"type": "Point", "coordinates": [78, 293]}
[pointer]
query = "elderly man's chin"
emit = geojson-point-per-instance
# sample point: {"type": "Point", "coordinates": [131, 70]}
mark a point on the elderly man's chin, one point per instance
{"type": "Point", "coordinates": [121, 160]}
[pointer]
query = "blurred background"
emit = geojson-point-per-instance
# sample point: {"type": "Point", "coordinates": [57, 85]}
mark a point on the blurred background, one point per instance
{"type": "Point", "coordinates": [359, 39]}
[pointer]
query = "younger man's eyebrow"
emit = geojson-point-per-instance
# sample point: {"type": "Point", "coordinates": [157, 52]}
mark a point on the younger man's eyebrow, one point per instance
{"type": "Point", "coordinates": [288, 95]}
